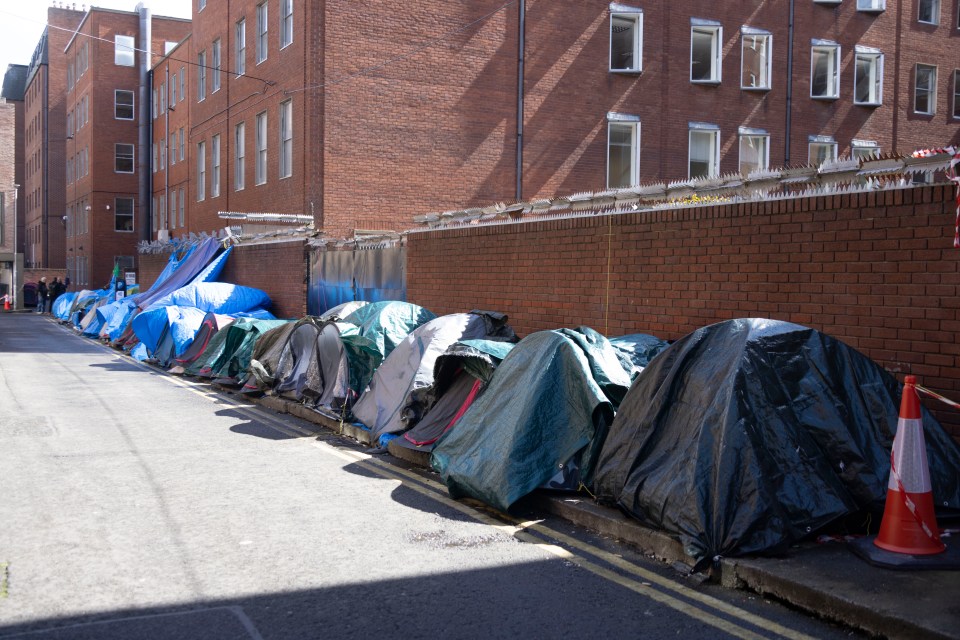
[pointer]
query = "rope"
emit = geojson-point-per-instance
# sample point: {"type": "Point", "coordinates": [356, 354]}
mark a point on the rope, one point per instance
{"type": "Point", "coordinates": [937, 396]}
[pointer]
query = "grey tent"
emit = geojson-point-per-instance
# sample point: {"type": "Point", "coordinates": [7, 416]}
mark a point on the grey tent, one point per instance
{"type": "Point", "coordinates": [411, 365]}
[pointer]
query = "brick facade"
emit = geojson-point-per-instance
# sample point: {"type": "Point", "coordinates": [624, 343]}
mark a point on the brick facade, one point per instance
{"type": "Point", "coordinates": [876, 270]}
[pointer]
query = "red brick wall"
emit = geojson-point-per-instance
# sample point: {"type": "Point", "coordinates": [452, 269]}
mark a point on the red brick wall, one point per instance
{"type": "Point", "coordinates": [877, 271]}
{"type": "Point", "coordinates": [279, 269]}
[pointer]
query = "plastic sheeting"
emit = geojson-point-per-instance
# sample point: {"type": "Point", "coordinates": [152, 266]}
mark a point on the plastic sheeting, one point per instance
{"type": "Point", "coordinates": [460, 375]}
{"type": "Point", "coordinates": [180, 322]}
{"type": "Point", "coordinates": [234, 358]}
{"type": "Point", "coordinates": [266, 357]}
{"type": "Point", "coordinates": [637, 350]}
{"type": "Point", "coordinates": [381, 326]}
{"type": "Point", "coordinates": [411, 366]}
{"type": "Point", "coordinates": [748, 435]}
{"type": "Point", "coordinates": [543, 411]}
{"type": "Point", "coordinates": [370, 274]}
{"type": "Point", "coordinates": [219, 297]}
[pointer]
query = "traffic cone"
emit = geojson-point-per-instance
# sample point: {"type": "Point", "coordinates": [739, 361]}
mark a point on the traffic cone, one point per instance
{"type": "Point", "coordinates": [909, 523]}
{"type": "Point", "coordinates": [6, 303]}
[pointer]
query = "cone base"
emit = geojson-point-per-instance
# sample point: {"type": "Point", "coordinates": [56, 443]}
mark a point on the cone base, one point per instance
{"type": "Point", "coordinates": [899, 530]}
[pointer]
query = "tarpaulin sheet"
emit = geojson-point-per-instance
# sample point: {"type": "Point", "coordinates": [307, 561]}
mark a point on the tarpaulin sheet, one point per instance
{"type": "Point", "coordinates": [381, 326]}
{"type": "Point", "coordinates": [241, 337]}
{"type": "Point", "coordinates": [372, 274]}
{"type": "Point", "coordinates": [181, 322]}
{"type": "Point", "coordinates": [542, 409]}
{"type": "Point", "coordinates": [411, 364]}
{"type": "Point", "coordinates": [748, 435]}
{"type": "Point", "coordinates": [637, 350]}
{"type": "Point", "coordinates": [219, 297]}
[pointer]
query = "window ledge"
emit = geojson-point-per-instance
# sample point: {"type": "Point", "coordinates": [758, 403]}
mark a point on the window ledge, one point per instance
{"type": "Point", "coordinates": [871, 105]}
{"type": "Point", "coordinates": [626, 72]}
{"type": "Point", "coordinates": [825, 98]}
{"type": "Point", "coordinates": [756, 89]}
{"type": "Point", "coordinates": [709, 83]}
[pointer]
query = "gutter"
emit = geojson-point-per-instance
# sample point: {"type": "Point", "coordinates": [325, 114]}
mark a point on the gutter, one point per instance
{"type": "Point", "coordinates": [521, 37]}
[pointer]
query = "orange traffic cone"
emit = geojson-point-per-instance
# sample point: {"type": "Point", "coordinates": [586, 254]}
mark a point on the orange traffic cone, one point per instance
{"type": "Point", "coordinates": [909, 524]}
{"type": "Point", "coordinates": [6, 303]}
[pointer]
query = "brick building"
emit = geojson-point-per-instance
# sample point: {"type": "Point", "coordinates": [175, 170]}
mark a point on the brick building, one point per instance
{"type": "Point", "coordinates": [103, 152]}
{"type": "Point", "coordinates": [45, 143]}
{"type": "Point", "coordinates": [365, 116]}
{"type": "Point", "coordinates": [11, 179]}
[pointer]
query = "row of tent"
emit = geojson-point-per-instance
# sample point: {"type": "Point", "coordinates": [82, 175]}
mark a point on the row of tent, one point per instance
{"type": "Point", "coordinates": [745, 436]}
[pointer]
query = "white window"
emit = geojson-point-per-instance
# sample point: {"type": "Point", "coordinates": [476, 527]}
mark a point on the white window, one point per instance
{"type": "Point", "coordinates": [286, 139]}
{"type": "Point", "coordinates": [183, 145]}
{"type": "Point", "coordinates": [871, 5]}
{"type": "Point", "coordinates": [162, 212]}
{"type": "Point", "coordinates": [156, 102]}
{"type": "Point", "coordinates": [754, 150]}
{"type": "Point", "coordinates": [240, 150]}
{"type": "Point", "coordinates": [706, 37]}
{"type": "Point", "coordinates": [925, 90]}
{"type": "Point", "coordinates": [183, 199]}
{"type": "Point", "coordinates": [169, 46]}
{"type": "Point", "coordinates": [201, 5]}
{"type": "Point", "coordinates": [183, 85]}
{"type": "Point", "coordinates": [123, 105]}
{"type": "Point", "coordinates": [824, 69]}
{"type": "Point", "coordinates": [956, 94]}
{"type": "Point", "coordinates": [201, 75]}
{"type": "Point", "coordinates": [626, 38]}
{"type": "Point", "coordinates": [756, 49]}
{"type": "Point", "coordinates": [215, 167]}
{"type": "Point", "coordinates": [123, 158]}
{"type": "Point", "coordinates": [123, 51]}
{"type": "Point", "coordinates": [241, 43]}
{"type": "Point", "coordinates": [123, 214]}
{"type": "Point", "coordinates": [156, 165]}
{"type": "Point", "coordinates": [201, 171]}
{"type": "Point", "coordinates": [868, 77]}
{"type": "Point", "coordinates": [704, 150]}
{"type": "Point", "coordinates": [821, 149]}
{"type": "Point", "coordinates": [864, 149]}
{"type": "Point", "coordinates": [261, 32]}
{"type": "Point", "coordinates": [163, 97]}
{"type": "Point", "coordinates": [623, 150]}
{"type": "Point", "coordinates": [173, 91]}
{"type": "Point", "coordinates": [163, 154]}
{"type": "Point", "coordinates": [215, 63]}
{"type": "Point", "coordinates": [286, 22]}
{"type": "Point", "coordinates": [928, 11]}
{"type": "Point", "coordinates": [173, 209]}
{"type": "Point", "coordinates": [173, 148]}
{"type": "Point", "coordinates": [261, 168]}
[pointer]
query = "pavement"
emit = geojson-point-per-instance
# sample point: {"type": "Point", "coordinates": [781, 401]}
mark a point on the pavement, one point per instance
{"type": "Point", "coordinates": [826, 580]}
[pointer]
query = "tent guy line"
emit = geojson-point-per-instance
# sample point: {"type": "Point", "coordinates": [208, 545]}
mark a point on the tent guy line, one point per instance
{"type": "Point", "coordinates": [638, 579]}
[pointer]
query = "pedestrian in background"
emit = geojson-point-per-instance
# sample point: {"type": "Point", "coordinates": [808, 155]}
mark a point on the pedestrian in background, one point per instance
{"type": "Point", "coordinates": [42, 292]}
{"type": "Point", "coordinates": [56, 290]}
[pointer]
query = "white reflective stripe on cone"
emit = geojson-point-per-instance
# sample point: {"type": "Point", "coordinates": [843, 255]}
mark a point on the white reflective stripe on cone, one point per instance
{"type": "Point", "coordinates": [910, 458]}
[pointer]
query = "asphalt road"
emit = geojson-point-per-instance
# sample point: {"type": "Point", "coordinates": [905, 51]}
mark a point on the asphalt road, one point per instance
{"type": "Point", "coordinates": [139, 505]}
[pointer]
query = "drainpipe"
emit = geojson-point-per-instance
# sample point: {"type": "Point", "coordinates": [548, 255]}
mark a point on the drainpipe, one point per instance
{"type": "Point", "coordinates": [44, 217]}
{"type": "Point", "coordinates": [786, 147]}
{"type": "Point", "coordinates": [166, 152]}
{"type": "Point", "coordinates": [146, 82]}
{"type": "Point", "coordinates": [521, 29]}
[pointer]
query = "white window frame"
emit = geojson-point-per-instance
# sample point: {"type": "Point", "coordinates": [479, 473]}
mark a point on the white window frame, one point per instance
{"type": "Point", "coordinates": [932, 91]}
{"type": "Point", "coordinates": [173, 148]}
{"type": "Point", "coordinates": [262, 32]}
{"type": "Point", "coordinates": [240, 155]}
{"type": "Point", "coordinates": [698, 130]}
{"type": "Point", "coordinates": [624, 122]}
{"type": "Point", "coordinates": [748, 34]}
{"type": "Point", "coordinates": [860, 149]}
{"type": "Point", "coordinates": [201, 171]}
{"type": "Point", "coordinates": [183, 200]}
{"type": "Point", "coordinates": [124, 49]}
{"type": "Point", "coordinates": [132, 105]}
{"type": "Point", "coordinates": [202, 76]}
{"type": "Point", "coordinates": [871, 6]}
{"type": "Point", "coordinates": [286, 23]}
{"type": "Point", "coordinates": [240, 42]}
{"type": "Point", "coordinates": [817, 142]}
{"type": "Point", "coordinates": [215, 63]}
{"type": "Point", "coordinates": [934, 6]}
{"type": "Point", "coordinates": [215, 166]}
{"type": "Point", "coordinates": [162, 211]}
{"type": "Point", "coordinates": [260, 173]}
{"type": "Point", "coordinates": [746, 135]}
{"type": "Point", "coordinates": [634, 15]}
{"type": "Point", "coordinates": [116, 156]}
{"type": "Point", "coordinates": [132, 216]}
{"type": "Point", "coordinates": [183, 85]}
{"type": "Point", "coordinates": [173, 91]}
{"type": "Point", "coordinates": [861, 53]}
{"type": "Point", "coordinates": [286, 139]}
{"type": "Point", "coordinates": [712, 27]}
{"type": "Point", "coordinates": [955, 110]}
{"type": "Point", "coordinates": [183, 144]}
{"type": "Point", "coordinates": [832, 50]}
{"type": "Point", "coordinates": [201, 5]}
{"type": "Point", "coordinates": [172, 212]}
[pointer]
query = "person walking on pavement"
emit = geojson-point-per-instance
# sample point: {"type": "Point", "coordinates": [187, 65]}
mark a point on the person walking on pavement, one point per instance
{"type": "Point", "coordinates": [56, 290]}
{"type": "Point", "coordinates": [42, 292]}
